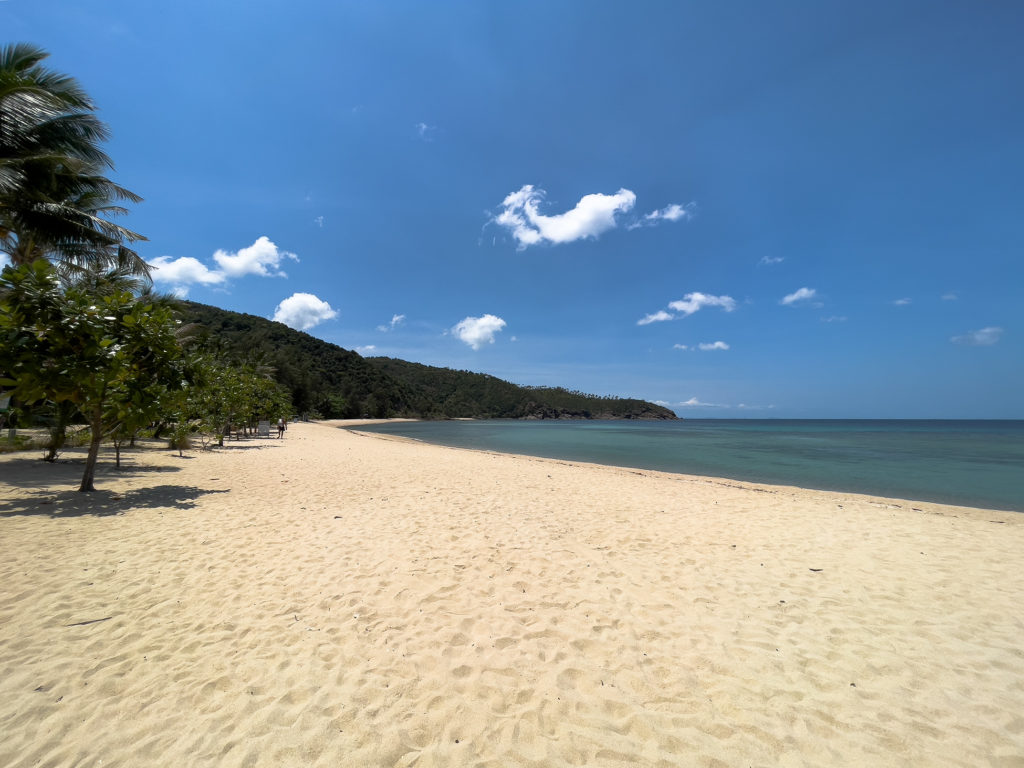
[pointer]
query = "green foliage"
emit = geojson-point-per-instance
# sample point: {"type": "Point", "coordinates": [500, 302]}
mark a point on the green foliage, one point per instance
{"type": "Point", "coordinates": [55, 202]}
{"type": "Point", "coordinates": [114, 356]}
{"type": "Point", "coordinates": [319, 377]}
{"type": "Point", "coordinates": [231, 395]}
{"type": "Point", "coordinates": [336, 383]}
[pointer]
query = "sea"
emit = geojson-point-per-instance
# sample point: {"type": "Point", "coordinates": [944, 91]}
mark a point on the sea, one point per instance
{"type": "Point", "coordinates": [968, 463]}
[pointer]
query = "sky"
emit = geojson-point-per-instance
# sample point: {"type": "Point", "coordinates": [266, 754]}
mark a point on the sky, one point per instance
{"type": "Point", "coordinates": [744, 209]}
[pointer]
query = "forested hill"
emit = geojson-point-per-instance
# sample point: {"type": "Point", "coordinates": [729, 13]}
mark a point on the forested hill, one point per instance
{"type": "Point", "coordinates": [330, 382]}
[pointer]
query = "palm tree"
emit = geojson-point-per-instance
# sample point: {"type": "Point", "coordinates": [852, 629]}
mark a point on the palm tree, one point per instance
{"type": "Point", "coordinates": [55, 202]}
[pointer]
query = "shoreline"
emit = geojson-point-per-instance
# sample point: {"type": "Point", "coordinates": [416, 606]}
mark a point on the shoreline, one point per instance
{"type": "Point", "coordinates": [335, 599]}
{"type": "Point", "coordinates": [895, 501]}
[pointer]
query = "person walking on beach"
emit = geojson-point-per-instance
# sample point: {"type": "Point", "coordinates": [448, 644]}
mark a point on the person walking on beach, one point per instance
{"type": "Point", "coordinates": [280, 428]}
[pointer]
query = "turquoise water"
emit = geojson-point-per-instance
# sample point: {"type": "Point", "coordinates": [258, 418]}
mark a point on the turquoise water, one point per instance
{"type": "Point", "coordinates": [972, 463]}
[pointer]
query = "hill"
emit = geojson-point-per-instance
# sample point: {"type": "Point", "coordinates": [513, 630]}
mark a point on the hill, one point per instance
{"type": "Point", "coordinates": [331, 382]}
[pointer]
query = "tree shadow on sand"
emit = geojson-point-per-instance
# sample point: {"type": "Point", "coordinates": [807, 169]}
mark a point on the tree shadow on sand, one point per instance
{"type": "Point", "coordinates": [103, 503]}
{"type": "Point", "coordinates": [30, 471]}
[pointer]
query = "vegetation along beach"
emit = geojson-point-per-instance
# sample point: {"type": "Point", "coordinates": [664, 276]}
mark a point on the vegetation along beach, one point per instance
{"type": "Point", "coordinates": [468, 384]}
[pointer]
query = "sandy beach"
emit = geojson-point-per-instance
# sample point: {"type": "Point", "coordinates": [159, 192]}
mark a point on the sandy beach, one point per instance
{"type": "Point", "coordinates": [343, 599]}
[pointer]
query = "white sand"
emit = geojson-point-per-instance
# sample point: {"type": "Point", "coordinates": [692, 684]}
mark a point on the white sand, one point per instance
{"type": "Point", "coordinates": [352, 600]}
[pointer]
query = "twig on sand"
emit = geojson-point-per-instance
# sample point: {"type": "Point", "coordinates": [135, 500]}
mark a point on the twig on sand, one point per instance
{"type": "Point", "coordinates": [91, 621]}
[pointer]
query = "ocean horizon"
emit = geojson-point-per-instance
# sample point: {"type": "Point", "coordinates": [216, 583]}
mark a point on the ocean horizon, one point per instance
{"type": "Point", "coordinates": [976, 463]}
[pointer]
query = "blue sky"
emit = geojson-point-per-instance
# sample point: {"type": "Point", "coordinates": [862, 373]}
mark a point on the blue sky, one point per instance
{"type": "Point", "coordinates": [739, 209]}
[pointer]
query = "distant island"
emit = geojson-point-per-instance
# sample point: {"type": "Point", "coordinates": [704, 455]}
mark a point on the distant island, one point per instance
{"type": "Point", "coordinates": [327, 381]}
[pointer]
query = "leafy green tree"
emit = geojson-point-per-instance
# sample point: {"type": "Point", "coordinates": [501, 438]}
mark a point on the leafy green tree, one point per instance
{"type": "Point", "coordinates": [114, 356]}
{"type": "Point", "coordinates": [99, 279]}
{"type": "Point", "coordinates": [232, 395]}
{"type": "Point", "coordinates": [55, 202]}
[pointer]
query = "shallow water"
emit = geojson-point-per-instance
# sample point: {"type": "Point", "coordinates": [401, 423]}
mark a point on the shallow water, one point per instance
{"type": "Point", "coordinates": [972, 463]}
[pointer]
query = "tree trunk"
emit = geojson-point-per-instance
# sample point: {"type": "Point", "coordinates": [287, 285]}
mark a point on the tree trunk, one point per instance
{"type": "Point", "coordinates": [96, 424]}
{"type": "Point", "coordinates": [58, 435]}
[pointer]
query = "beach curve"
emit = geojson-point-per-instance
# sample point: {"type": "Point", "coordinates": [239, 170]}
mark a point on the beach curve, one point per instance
{"type": "Point", "coordinates": [345, 598]}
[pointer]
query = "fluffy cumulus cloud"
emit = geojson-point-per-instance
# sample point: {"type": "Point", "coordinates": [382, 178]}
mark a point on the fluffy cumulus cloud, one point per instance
{"type": "Point", "coordinates": [798, 296]}
{"type": "Point", "coordinates": [692, 302]}
{"type": "Point", "coordinates": [396, 320]}
{"type": "Point", "coordinates": [182, 272]}
{"type": "Point", "coordinates": [686, 306]}
{"type": "Point", "coordinates": [593, 215]}
{"type": "Point", "coordinates": [303, 311]}
{"type": "Point", "coordinates": [261, 258]}
{"type": "Point", "coordinates": [367, 349]}
{"type": "Point", "coordinates": [477, 331]}
{"type": "Point", "coordinates": [986, 337]}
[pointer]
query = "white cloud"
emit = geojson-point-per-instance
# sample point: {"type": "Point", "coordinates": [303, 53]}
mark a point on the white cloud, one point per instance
{"type": "Point", "coordinates": [986, 337]}
{"type": "Point", "coordinates": [593, 215]}
{"type": "Point", "coordinates": [426, 132]}
{"type": "Point", "coordinates": [477, 331]}
{"type": "Point", "coordinates": [182, 272]}
{"type": "Point", "coordinates": [365, 349]}
{"type": "Point", "coordinates": [703, 347]}
{"type": "Point", "coordinates": [302, 311]}
{"type": "Point", "coordinates": [672, 212]}
{"type": "Point", "coordinates": [771, 260]}
{"type": "Point", "coordinates": [658, 317]}
{"type": "Point", "coordinates": [902, 302]}
{"type": "Point", "coordinates": [949, 297]}
{"type": "Point", "coordinates": [396, 320]}
{"type": "Point", "coordinates": [319, 221]}
{"type": "Point", "coordinates": [834, 319]}
{"type": "Point", "coordinates": [261, 258]}
{"type": "Point", "coordinates": [687, 305]}
{"type": "Point", "coordinates": [692, 302]}
{"type": "Point", "coordinates": [803, 294]}
{"type": "Point", "coordinates": [693, 402]}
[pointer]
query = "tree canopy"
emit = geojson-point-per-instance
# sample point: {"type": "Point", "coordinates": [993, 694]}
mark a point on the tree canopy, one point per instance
{"type": "Point", "coordinates": [111, 355]}
{"type": "Point", "coordinates": [55, 201]}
